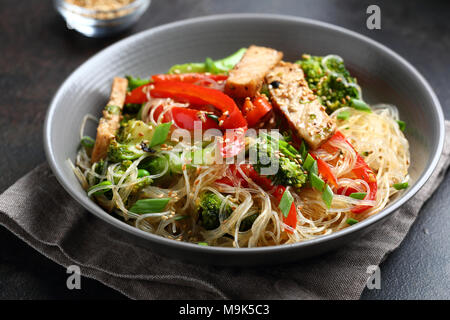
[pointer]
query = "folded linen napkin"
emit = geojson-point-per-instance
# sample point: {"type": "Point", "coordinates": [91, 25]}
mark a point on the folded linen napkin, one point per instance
{"type": "Point", "coordinates": [38, 210]}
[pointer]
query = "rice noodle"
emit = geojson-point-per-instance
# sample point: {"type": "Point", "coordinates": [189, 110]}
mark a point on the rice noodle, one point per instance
{"type": "Point", "coordinates": [375, 135]}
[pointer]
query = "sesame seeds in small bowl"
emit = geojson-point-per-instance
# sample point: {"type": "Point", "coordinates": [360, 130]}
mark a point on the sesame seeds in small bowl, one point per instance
{"type": "Point", "coordinates": [101, 18]}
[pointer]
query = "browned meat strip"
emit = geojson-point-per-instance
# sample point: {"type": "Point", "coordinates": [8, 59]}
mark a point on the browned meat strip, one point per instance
{"type": "Point", "coordinates": [292, 97]}
{"type": "Point", "coordinates": [247, 76]}
{"type": "Point", "coordinates": [110, 121]}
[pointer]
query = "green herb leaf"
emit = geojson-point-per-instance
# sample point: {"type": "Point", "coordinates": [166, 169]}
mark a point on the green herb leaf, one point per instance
{"type": "Point", "coordinates": [87, 142]}
{"type": "Point", "coordinates": [358, 195]}
{"type": "Point", "coordinates": [351, 221]}
{"type": "Point", "coordinates": [360, 105]}
{"type": "Point", "coordinates": [160, 134]}
{"type": "Point", "coordinates": [286, 203]}
{"type": "Point", "coordinates": [343, 115]}
{"type": "Point", "coordinates": [202, 244]}
{"type": "Point", "coordinates": [327, 196]}
{"type": "Point", "coordinates": [99, 192]}
{"type": "Point", "coordinates": [402, 125]}
{"type": "Point", "coordinates": [400, 186]}
{"type": "Point", "coordinates": [316, 182]}
{"type": "Point", "coordinates": [150, 205]}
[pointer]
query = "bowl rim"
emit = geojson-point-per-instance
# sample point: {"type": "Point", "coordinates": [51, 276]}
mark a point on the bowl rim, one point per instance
{"type": "Point", "coordinates": [179, 245]}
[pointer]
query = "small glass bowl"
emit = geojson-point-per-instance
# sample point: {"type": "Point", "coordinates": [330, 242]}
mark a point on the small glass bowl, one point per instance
{"type": "Point", "coordinates": [101, 23]}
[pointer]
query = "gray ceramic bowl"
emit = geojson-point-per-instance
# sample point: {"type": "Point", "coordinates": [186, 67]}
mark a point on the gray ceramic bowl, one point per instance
{"type": "Point", "coordinates": [383, 75]}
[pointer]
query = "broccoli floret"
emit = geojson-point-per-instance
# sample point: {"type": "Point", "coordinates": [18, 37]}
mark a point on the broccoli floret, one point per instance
{"type": "Point", "coordinates": [131, 108]}
{"type": "Point", "coordinates": [155, 165]}
{"type": "Point", "coordinates": [328, 78]}
{"type": "Point", "coordinates": [132, 141]}
{"type": "Point", "coordinates": [208, 208]}
{"type": "Point", "coordinates": [247, 223]}
{"type": "Point", "coordinates": [287, 161]}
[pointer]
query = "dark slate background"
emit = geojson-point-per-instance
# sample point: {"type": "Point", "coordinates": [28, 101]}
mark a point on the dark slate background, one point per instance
{"type": "Point", "coordinates": [37, 53]}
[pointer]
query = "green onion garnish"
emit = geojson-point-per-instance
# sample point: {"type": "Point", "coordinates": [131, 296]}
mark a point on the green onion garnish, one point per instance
{"type": "Point", "coordinates": [202, 244]}
{"type": "Point", "coordinates": [316, 182]}
{"type": "Point", "coordinates": [400, 186]}
{"type": "Point", "coordinates": [303, 150]}
{"type": "Point", "coordinates": [213, 116]}
{"type": "Point", "coordinates": [87, 142]}
{"type": "Point", "coordinates": [327, 196]}
{"type": "Point", "coordinates": [308, 163]}
{"type": "Point", "coordinates": [150, 205]}
{"type": "Point", "coordinates": [358, 195]}
{"type": "Point", "coordinates": [160, 134]}
{"type": "Point", "coordinates": [143, 173]}
{"type": "Point", "coordinates": [314, 168]}
{"type": "Point", "coordinates": [99, 192]}
{"type": "Point", "coordinates": [343, 115]}
{"type": "Point", "coordinates": [351, 221]}
{"type": "Point", "coordinates": [178, 218]}
{"type": "Point", "coordinates": [360, 105]}
{"type": "Point", "coordinates": [401, 125]}
{"type": "Point", "coordinates": [135, 82]}
{"type": "Point", "coordinates": [286, 203]}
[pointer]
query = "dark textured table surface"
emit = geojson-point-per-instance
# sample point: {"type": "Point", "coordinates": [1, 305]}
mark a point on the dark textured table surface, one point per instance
{"type": "Point", "coordinates": [38, 53]}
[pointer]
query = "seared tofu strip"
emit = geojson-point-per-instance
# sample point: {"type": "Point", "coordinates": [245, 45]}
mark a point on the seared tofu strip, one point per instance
{"type": "Point", "coordinates": [293, 98]}
{"type": "Point", "coordinates": [247, 77]}
{"type": "Point", "coordinates": [110, 122]}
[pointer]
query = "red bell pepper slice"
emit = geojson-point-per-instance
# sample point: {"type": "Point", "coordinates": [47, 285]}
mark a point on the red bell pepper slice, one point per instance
{"type": "Point", "coordinates": [291, 219]}
{"type": "Point", "coordinates": [138, 95]}
{"type": "Point", "coordinates": [195, 78]}
{"type": "Point", "coordinates": [254, 110]}
{"type": "Point", "coordinates": [186, 92]}
{"type": "Point", "coordinates": [325, 171]}
{"type": "Point", "coordinates": [266, 184]}
{"type": "Point", "coordinates": [361, 170]}
{"type": "Point", "coordinates": [250, 172]}
{"type": "Point", "coordinates": [185, 118]}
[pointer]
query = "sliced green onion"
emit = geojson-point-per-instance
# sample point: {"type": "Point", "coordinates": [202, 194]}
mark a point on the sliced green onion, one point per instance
{"type": "Point", "coordinates": [316, 182]}
{"type": "Point", "coordinates": [343, 115]}
{"type": "Point", "coordinates": [213, 116]}
{"type": "Point", "coordinates": [358, 195]}
{"type": "Point", "coordinates": [286, 203]}
{"type": "Point", "coordinates": [135, 82]}
{"type": "Point", "coordinates": [150, 205]}
{"type": "Point", "coordinates": [303, 150]}
{"type": "Point", "coordinates": [327, 196]}
{"type": "Point", "coordinates": [401, 125]}
{"type": "Point", "coordinates": [360, 105]}
{"type": "Point", "coordinates": [178, 218]}
{"type": "Point", "coordinates": [314, 168]}
{"type": "Point", "coordinates": [202, 244]}
{"type": "Point", "coordinates": [143, 173]}
{"type": "Point", "coordinates": [351, 221]}
{"type": "Point", "coordinates": [308, 163]}
{"type": "Point", "coordinates": [87, 142]}
{"type": "Point", "coordinates": [160, 134]}
{"type": "Point", "coordinates": [400, 186]}
{"type": "Point", "coordinates": [99, 192]}
{"type": "Point", "coordinates": [112, 109]}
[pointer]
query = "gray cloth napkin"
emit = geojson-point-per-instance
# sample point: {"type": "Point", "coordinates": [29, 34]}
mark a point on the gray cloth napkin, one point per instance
{"type": "Point", "coordinates": [38, 210]}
